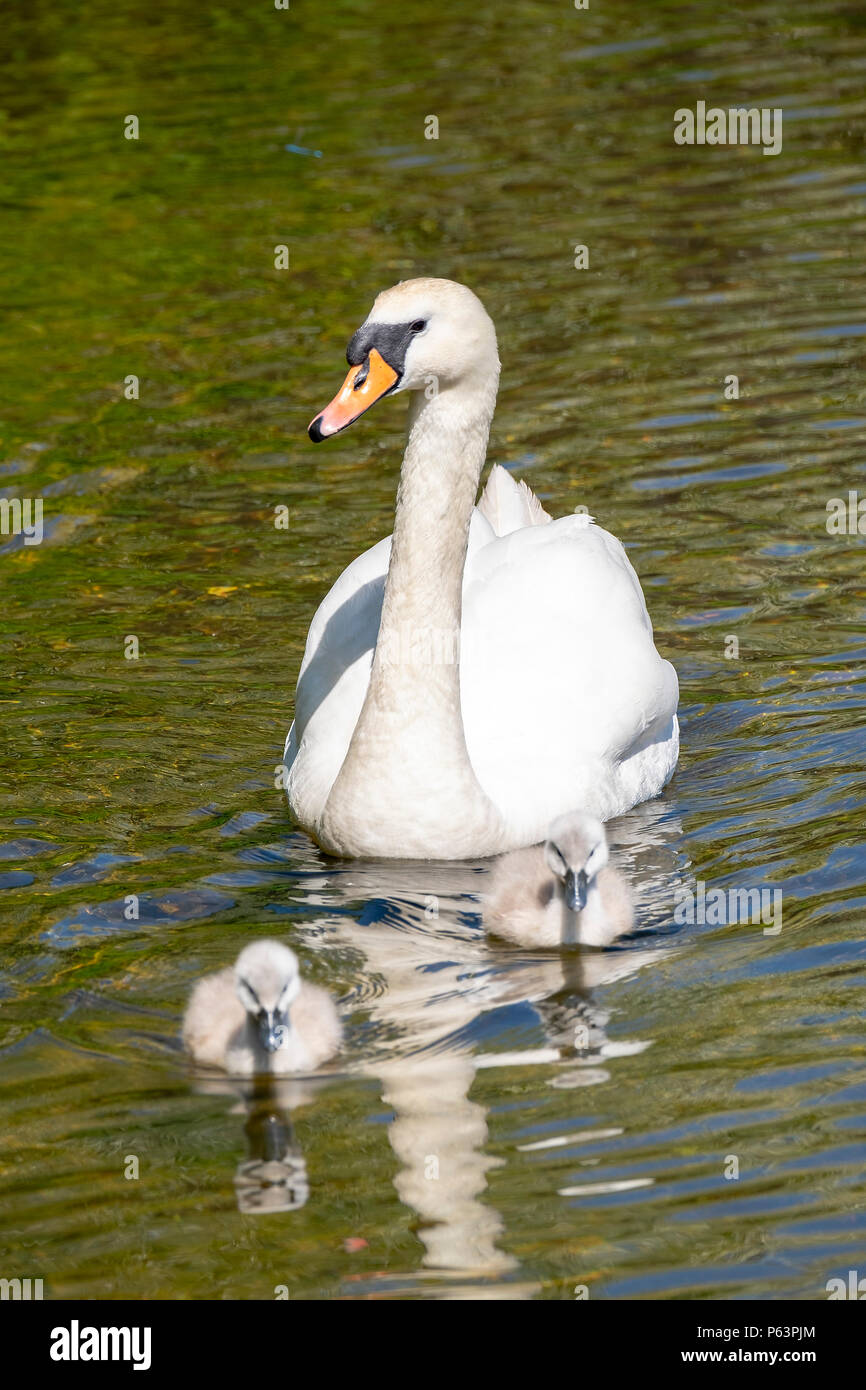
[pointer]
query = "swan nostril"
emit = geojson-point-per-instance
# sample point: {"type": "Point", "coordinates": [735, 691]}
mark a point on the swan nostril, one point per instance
{"type": "Point", "coordinates": [362, 375]}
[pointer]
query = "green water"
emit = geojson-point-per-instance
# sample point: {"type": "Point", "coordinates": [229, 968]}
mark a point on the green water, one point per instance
{"type": "Point", "coordinates": [155, 777]}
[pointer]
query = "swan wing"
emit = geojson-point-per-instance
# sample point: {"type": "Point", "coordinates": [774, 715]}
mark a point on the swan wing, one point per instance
{"type": "Point", "coordinates": [565, 700]}
{"type": "Point", "coordinates": [214, 1014]}
{"type": "Point", "coordinates": [333, 680]}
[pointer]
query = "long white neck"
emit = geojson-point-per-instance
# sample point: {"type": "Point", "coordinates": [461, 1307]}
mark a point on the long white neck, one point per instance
{"type": "Point", "coordinates": [407, 786]}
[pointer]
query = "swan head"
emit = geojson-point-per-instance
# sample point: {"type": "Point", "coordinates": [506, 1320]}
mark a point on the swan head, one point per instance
{"type": "Point", "coordinates": [268, 981]}
{"type": "Point", "coordinates": [575, 851]}
{"type": "Point", "coordinates": [421, 335]}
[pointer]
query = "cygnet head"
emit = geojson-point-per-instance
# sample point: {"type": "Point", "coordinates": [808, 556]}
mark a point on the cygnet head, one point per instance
{"type": "Point", "coordinates": [421, 335]}
{"type": "Point", "coordinates": [268, 981]}
{"type": "Point", "coordinates": [575, 850]}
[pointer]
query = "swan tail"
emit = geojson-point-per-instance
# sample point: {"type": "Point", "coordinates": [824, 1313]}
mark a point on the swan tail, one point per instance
{"type": "Point", "coordinates": [510, 505]}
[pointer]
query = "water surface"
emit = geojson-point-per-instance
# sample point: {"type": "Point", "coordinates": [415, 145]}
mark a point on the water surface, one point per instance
{"type": "Point", "coordinates": [501, 1124]}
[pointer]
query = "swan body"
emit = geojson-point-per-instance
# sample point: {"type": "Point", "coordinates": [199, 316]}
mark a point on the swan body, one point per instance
{"type": "Point", "coordinates": [561, 893]}
{"type": "Point", "coordinates": [486, 668]}
{"type": "Point", "coordinates": [259, 1017]}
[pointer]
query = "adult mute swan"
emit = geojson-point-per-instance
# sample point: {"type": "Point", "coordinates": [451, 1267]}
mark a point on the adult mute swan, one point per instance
{"type": "Point", "coordinates": [562, 893]}
{"type": "Point", "coordinates": [486, 669]}
{"type": "Point", "coordinates": [259, 1017]}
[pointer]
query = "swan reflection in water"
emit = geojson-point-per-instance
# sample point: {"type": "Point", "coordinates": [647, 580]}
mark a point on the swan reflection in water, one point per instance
{"type": "Point", "coordinates": [272, 1176]}
{"type": "Point", "coordinates": [428, 983]}
{"type": "Point", "coordinates": [429, 977]}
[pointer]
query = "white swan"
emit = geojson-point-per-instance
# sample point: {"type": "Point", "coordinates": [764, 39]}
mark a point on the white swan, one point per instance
{"type": "Point", "coordinates": [562, 893]}
{"type": "Point", "coordinates": [259, 1016]}
{"type": "Point", "coordinates": [485, 669]}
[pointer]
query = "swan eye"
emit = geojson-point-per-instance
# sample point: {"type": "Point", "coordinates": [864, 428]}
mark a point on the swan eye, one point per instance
{"type": "Point", "coordinates": [249, 998]}
{"type": "Point", "coordinates": [591, 865]}
{"type": "Point", "coordinates": [418, 326]}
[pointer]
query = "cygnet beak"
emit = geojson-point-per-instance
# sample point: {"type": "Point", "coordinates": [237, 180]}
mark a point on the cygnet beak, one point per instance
{"type": "Point", "coordinates": [575, 890]}
{"type": "Point", "coordinates": [273, 1029]}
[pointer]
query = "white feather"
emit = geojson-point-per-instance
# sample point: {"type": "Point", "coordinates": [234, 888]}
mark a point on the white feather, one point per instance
{"type": "Point", "coordinates": [560, 696]}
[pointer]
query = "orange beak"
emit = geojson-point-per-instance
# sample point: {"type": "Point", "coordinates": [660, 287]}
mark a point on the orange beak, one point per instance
{"type": "Point", "coordinates": [363, 386]}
